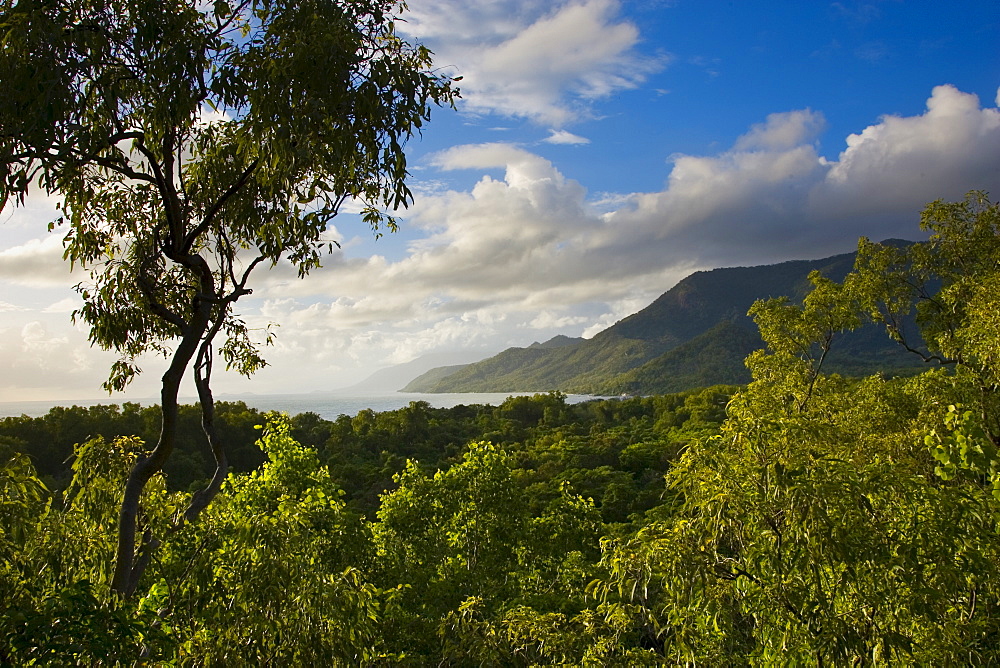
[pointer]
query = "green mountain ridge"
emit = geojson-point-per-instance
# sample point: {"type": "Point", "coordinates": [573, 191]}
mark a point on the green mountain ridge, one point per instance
{"type": "Point", "coordinates": [694, 335]}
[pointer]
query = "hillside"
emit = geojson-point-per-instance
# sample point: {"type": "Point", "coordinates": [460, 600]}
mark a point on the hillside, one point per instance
{"type": "Point", "coordinates": [695, 334]}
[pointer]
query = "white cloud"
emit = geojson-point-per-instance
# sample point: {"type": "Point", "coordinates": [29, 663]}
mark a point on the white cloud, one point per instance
{"type": "Point", "coordinates": [564, 137]}
{"type": "Point", "coordinates": [547, 321]}
{"type": "Point", "coordinates": [468, 21]}
{"type": "Point", "coordinates": [67, 305]}
{"type": "Point", "coordinates": [952, 148]}
{"type": "Point", "coordinates": [783, 130]}
{"type": "Point", "coordinates": [524, 250]}
{"type": "Point", "coordinates": [530, 59]}
{"type": "Point", "coordinates": [770, 198]}
{"type": "Point", "coordinates": [39, 345]}
{"type": "Point", "coordinates": [524, 254]}
{"type": "Point", "coordinates": [481, 156]}
{"type": "Point", "coordinates": [616, 310]}
{"type": "Point", "coordinates": [37, 262]}
{"type": "Point", "coordinates": [44, 357]}
{"type": "Point", "coordinates": [33, 216]}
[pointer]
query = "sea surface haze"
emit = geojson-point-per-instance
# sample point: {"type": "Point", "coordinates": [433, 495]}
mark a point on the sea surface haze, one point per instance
{"type": "Point", "coordinates": [328, 405]}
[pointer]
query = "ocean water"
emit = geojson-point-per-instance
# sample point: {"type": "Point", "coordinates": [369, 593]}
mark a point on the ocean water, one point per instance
{"type": "Point", "coordinates": [328, 405]}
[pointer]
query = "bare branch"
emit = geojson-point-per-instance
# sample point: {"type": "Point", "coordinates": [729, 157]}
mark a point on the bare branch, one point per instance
{"type": "Point", "coordinates": [246, 274]}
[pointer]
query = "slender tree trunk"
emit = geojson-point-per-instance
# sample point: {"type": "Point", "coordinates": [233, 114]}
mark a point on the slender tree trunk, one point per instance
{"type": "Point", "coordinates": [127, 571]}
{"type": "Point", "coordinates": [202, 379]}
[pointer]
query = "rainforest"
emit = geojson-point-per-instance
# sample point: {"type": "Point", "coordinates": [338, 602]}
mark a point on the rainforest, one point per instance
{"type": "Point", "coordinates": [802, 518]}
{"type": "Point", "coordinates": [771, 487]}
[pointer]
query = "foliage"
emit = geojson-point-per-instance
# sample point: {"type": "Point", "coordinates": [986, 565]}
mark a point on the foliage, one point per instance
{"type": "Point", "coordinates": [55, 605]}
{"type": "Point", "coordinates": [279, 555]}
{"type": "Point", "coordinates": [819, 527]}
{"type": "Point", "coordinates": [448, 537]}
{"type": "Point", "coordinates": [187, 145]}
{"type": "Point", "coordinates": [271, 575]}
{"type": "Point", "coordinates": [50, 439]}
{"type": "Point", "coordinates": [818, 537]}
{"type": "Point", "coordinates": [806, 519]}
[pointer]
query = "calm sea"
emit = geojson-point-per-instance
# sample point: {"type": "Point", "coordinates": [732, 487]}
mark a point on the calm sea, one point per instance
{"type": "Point", "coordinates": [327, 405]}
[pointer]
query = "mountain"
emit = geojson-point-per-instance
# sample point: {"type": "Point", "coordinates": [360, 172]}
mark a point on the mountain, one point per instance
{"type": "Point", "coordinates": [558, 342]}
{"type": "Point", "coordinates": [695, 334]}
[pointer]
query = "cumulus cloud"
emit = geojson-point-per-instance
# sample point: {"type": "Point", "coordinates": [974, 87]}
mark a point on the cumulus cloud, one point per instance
{"type": "Point", "coordinates": [783, 130]}
{"type": "Point", "coordinates": [37, 356]}
{"type": "Point", "coordinates": [37, 262]}
{"type": "Point", "coordinates": [43, 357]}
{"type": "Point", "coordinates": [31, 216]}
{"type": "Point", "coordinates": [38, 344]}
{"type": "Point", "coordinates": [66, 305]}
{"type": "Point", "coordinates": [489, 245]}
{"type": "Point", "coordinates": [537, 60]}
{"type": "Point", "coordinates": [953, 147]}
{"type": "Point", "coordinates": [547, 320]}
{"type": "Point", "coordinates": [527, 253]}
{"type": "Point", "coordinates": [772, 196]}
{"type": "Point", "coordinates": [527, 250]}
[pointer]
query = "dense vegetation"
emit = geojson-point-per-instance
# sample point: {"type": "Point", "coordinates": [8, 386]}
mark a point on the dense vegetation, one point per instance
{"type": "Point", "coordinates": [428, 506]}
{"type": "Point", "coordinates": [597, 444]}
{"type": "Point", "coordinates": [804, 519]}
{"type": "Point", "coordinates": [187, 144]}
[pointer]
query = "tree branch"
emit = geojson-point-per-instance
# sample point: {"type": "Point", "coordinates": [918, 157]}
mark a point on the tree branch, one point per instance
{"type": "Point", "coordinates": [213, 211]}
{"type": "Point", "coordinates": [158, 308]}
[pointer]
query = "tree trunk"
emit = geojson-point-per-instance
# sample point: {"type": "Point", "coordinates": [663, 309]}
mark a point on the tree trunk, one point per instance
{"type": "Point", "coordinates": [127, 570]}
{"type": "Point", "coordinates": [202, 379]}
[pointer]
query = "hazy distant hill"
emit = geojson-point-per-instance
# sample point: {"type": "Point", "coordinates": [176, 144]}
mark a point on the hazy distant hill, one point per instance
{"type": "Point", "coordinates": [392, 378]}
{"type": "Point", "coordinates": [695, 334]}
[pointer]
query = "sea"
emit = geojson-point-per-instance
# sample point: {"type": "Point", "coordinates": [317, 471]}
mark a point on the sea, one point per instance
{"type": "Point", "coordinates": [328, 405]}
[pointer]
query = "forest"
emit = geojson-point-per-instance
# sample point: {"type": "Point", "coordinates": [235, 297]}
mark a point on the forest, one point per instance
{"type": "Point", "coordinates": [802, 518]}
{"type": "Point", "coordinates": [805, 518]}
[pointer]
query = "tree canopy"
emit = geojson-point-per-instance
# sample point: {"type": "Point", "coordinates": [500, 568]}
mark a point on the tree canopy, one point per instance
{"type": "Point", "coordinates": [189, 143]}
{"type": "Point", "coordinates": [805, 519]}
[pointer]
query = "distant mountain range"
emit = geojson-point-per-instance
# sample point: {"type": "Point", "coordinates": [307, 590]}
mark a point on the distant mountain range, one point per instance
{"type": "Point", "coordinates": [695, 334]}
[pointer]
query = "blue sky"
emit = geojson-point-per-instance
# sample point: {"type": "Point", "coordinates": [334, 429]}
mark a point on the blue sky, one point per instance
{"type": "Point", "coordinates": [712, 69]}
{"type": "Point", "coordinates": [602, 150]}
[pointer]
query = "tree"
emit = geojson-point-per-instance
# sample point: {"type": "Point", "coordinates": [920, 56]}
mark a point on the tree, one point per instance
{"type": "Point", "coordinates": [450, 536]}
{"type": "Point", "coordinates": [950, 284]}
{"type": "Point", "coordinates": [281, 550]}
{"type": "Point", "coordinates": [190, 143]}
{"type": "Point", "coordinates": [836, 521]}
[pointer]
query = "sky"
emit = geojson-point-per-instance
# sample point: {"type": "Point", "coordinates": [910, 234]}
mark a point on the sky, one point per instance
{"type": "Point", "coordinates": [602, 150]}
